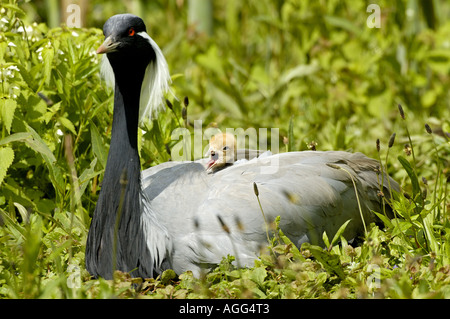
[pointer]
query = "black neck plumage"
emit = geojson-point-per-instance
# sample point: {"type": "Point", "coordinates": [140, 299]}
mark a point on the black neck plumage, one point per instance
{"type": "Point", "coordinates": [117, 217]}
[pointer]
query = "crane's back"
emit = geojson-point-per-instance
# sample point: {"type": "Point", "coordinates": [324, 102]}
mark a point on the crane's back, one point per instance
{"type": "Point", "coordinates": [312, 192]}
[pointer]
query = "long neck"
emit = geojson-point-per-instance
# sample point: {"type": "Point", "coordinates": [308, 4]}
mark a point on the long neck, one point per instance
{"type": "Point", "coordinates": [126, 109]}
{"type": "Point", "coordinates": [117, 217]}
{"type": "Point", "coordinates": [122, 179]}
{"type": "Point", "coordinates": [123, 152]}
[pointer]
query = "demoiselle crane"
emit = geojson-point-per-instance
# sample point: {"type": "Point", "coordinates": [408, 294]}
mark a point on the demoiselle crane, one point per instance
{"type": "Point", "coordinates": [167, 216]}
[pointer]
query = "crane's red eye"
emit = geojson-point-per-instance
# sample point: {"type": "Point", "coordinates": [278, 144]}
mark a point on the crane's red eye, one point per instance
{"type": "Point", "coordinates": [131, 32]}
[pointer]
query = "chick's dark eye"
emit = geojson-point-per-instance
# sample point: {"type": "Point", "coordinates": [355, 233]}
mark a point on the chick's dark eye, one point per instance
{"type": "Point", "coordinates": [225, 148]}
{"type": "Point", "coordinates": [131, 32]}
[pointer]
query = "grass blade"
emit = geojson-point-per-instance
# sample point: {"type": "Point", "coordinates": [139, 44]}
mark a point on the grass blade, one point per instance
{"type": "Point", "coordinates": [412, 176]}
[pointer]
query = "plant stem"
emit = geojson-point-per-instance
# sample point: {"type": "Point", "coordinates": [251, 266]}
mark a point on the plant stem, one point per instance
{"type": "Point", "coordinates": [255, 188]}
{"type": "Point", "coordinates": [356, 193]}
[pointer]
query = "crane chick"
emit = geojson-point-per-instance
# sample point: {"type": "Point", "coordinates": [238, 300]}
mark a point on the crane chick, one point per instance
{"type": "Point", "coordinates": [222, 151]}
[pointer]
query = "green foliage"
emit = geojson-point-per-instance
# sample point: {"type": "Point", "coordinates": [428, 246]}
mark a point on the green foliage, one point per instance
{"type": "Point", "coordinates": [312, 68]}
{"type": "Point", "coordinates": [48, 95]}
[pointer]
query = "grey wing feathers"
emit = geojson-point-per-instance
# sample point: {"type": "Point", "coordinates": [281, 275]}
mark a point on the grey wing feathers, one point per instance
{"type": "Point", "coordinates": [308, 194]}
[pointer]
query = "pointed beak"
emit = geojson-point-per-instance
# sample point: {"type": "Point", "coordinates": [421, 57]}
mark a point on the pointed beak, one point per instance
{"type": "Point", "coordinates": [213, 158]}
{"type": "Point", "coordinates": [210, 163]}
{"type": "Point", "coordinates": [108, 46]}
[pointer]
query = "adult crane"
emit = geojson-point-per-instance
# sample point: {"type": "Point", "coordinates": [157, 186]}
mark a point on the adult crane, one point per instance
{"type": "Point", "coordinates": [167, 216]}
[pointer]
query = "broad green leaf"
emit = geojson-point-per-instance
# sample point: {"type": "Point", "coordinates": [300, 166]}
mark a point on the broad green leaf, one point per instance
{"type": "Point", "coordinates": [87, 175]}
{"type": "Point", "coordinates": [58, 250]}
{"type": "Point", "coordinates": [67, 124]}
{"type": "Point", "coordinates": [284, 239]}
{"type": "Point", "coordinates": [37, 144]}
{"type": "Point", "coordinates": [6, 159]}
{"type": "Point", "coordinates": [16, 230]}
{"type": "Point", "coordinates": [325, 239]}
{"type": "Point", "coordinates": [258, 275]}
{"type": "Point", "coordinates": [22, 211]}
{"type": "Point", "coordinates": [51, 112]}
{"type": "Point", "coordinates": [47, 54]}
{"type": "Point", "coordinates": [339, 232]}
{"type": "Point", "coordinates": [330, 261]}
{"type": "Point", "coordinates": [7, 109]}
{"type": "Point", "coordinates": [258, 292]}
{"type": "Point", "coordinates": [56, 176]}
{"type": "Point", "coordinates": [167, 276]}
{"type": "Point", "coordinates": [16, 137]}
{"type": "Point", "coordinates": [400, 226]}
{"type": "Point", "coordinates": [412, 176]}
{"type": "Point", "coordinates": [387, 222]}
{"type": "Point", "coordinates": [98, 146]}
{"type": "Point", "coordinates": [428, 225]}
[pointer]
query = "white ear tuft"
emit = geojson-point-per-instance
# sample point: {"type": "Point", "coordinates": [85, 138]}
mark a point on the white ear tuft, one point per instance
{"type": "Point", "coordinates": [155, 85]}
{"type": "Point", "coordinates": [106, 71]}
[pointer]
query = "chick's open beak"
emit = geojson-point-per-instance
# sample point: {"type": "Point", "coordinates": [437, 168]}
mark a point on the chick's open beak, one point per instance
{"type": "Point", "coordinates": [108, 46]}
{"type": "Point", "coordinates": [213, 158]}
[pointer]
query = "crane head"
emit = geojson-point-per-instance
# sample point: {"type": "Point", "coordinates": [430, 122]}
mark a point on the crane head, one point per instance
{"type": "Point", "coordinates": [128, 48]}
